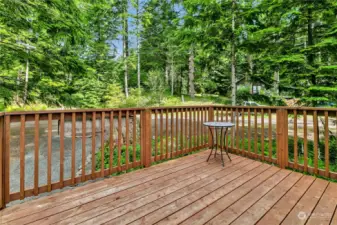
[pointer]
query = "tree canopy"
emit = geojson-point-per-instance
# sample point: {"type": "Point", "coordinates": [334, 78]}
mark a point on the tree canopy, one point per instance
{"type": "Point", "coordinates": [96, 53]}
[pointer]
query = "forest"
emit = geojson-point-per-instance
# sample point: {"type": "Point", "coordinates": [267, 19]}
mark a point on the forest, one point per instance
{"type": "Point", "coordinates": [124, 53]}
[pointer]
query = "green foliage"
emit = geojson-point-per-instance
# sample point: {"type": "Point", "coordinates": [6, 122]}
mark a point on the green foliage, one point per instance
{"type": "Point", "coordinates": [123, 156]}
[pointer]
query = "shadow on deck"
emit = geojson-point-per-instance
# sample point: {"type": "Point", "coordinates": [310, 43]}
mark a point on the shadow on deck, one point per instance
{"type": "Point", "coordinates": [189, 191]}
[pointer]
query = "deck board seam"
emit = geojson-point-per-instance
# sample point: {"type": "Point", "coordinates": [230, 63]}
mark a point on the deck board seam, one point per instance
{"type": "Point", "coordinates": [202, 171]}
{"type": "Point", "coordinates": [172, 193]}
{"type": "Point", "coordinates": [313, 209]}
{"type": "Point", "coordinates": [193, 163]}
{"type": "Point", "coordinates": [299, 199]}
{"type": "Point", "coordinates": [249, 193]}
{"type": "Point", "coordinates": [273, 204]}
{"type": "Point", "coordinates": [118, 179]}
{"type": "Point", "coordinates": [211, 191]}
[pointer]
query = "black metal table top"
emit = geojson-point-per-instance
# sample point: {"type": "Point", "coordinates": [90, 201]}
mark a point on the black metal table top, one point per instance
{"type": "Point", "coordinates": [218, 124]}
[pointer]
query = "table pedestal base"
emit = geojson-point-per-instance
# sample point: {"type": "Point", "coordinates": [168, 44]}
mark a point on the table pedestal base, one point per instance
{"type": "Point", "coordinates": [215, 144]}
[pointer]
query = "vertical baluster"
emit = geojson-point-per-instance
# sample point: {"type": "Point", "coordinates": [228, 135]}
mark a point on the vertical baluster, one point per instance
{"type": "Point", "coordinates": [102, 143]}
{"type": "Point", "coordinates": [22, 156]}
{"type": "Point", "coordinates": [177, 134]}
{"type": "Point", "coordinates": [295, 141]}
{"type": "Point", "coordinates": [305, 142]}
{"type": "Point", "coordinates": [7, 157]}
{"type": "Point", "coordinates": [119, 140]}
{"type": "Point", "coordinates": [270, 145]}
{"type": "Point", "coordinates": [198, 127]}
{"type": "Point", "coordinates": [231, 128]}
{"type": "Point", "coordinates": [205, 128]}
{"type": "Point", "coordinates": [36, 153]}
{"type": "Point", "coordinates": [93, 145]}
{"type": "Point", "coordinates": [2, 160]}
{"type": "Point", "coordinates": [161, 134]}
{"type": "Point", "coordinates": [49, 152]}
{"type": "Point", "coordinates": [190, 130]}
{"type": "Point", "coordinates": [262, 134]}
{"type": "Point", "coordinates": [255, 133]}
{"type": "Point", "coordinates": [73, 147]}
{"type": "Point", "coordinates": [243, 131]}
{"type": "Point", "coordinates": [127, 139]}
{"type": "Point", "coordinates": [232, 134]}
{"type": "Point", "coordinates": [316, 139]}
{"type": "Point", "coordinates": [237, 126]}
{"type": "Point", "coordinates": [172, 133]}
{"type": "Point", "coordinates": [111, 142]}
{"type": "Point", "coordinates": [134, 141]}
{"type": "Point", "coordinates": [186, 131]}
{"type": "Point", "coordinates": [249, 132]}
{"type": "Point", "coordinates": [194, 130]}
{"type": "Point", "coordinates": [84, 131]}
{"type": "Point", "coordinates": [222, 114]}
{"type": "Point", "coordinates": [61, 150]}
{"type": "Point", "coordinates": [167, 137]}
{"type": "Point", "coordinates": [182, 131]}
{"type": "Point", "coordinates": [155, 135]}
{"type": "Point", "coordinates": [326, 143]}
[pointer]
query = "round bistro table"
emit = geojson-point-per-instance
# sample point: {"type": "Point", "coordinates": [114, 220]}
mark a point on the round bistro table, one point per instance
{"type": "Point", "coordinates": [216, 126]}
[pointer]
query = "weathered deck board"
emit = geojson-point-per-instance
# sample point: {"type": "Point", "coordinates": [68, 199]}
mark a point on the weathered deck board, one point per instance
{"type": "Point", "coordinates": [189, 190]}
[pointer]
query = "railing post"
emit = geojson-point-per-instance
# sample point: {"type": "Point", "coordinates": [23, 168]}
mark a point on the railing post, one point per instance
{"type": "Point", "coordinates": [210, 118]}
{"type": "Point", "coordinates": [2, 162]}
{"type": "Point", "coordinates": [146, 137]}
{"type": "Point", "coordinates": [282, 137]}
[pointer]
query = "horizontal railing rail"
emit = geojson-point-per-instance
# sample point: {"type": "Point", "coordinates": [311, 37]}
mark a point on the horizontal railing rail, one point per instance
{"type": "Point", "coordinates": [41, 151]}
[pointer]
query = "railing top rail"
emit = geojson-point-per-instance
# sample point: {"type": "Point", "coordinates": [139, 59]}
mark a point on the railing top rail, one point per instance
{"type": "Point", "coordinates": [163, 107]}
{"type": "Point", "coordinates": [279, 107]}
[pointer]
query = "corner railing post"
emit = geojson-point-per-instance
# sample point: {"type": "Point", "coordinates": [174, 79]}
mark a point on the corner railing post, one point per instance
{"type": "Point", "coordinates": [282, 137]}
{"type": "Point", "coordinates": [146, 137]}
{"type": "Point", "coordinates": [2, 162]}
{"type": "Point", "coordinates": [210, 118]}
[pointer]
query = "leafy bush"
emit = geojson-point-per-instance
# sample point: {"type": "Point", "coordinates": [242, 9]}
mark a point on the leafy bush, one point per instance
{"type": "Point", "coordinates": [115, 156]}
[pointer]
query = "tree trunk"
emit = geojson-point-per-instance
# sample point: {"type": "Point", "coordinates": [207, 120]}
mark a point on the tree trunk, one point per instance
{"type": "Point", "coordinates": [172, 72]}
{"type": "Point", "coordinates": [277, 82]}
{"type": "Point", "coordinates": [138, 46]}
{"type": "Point", "coordinates": [311, 56]}
{"type": "Point", "coordinates": [233, 51]}
{"type": "Point", "coordinates": [167, 71]}
{"type": "Point", "coordinates": [26, 82]}
{"type": "Point", "coordinates": [126, 48]}
{"type": "Point", "coordinates": [191, 70]}
{"type": "Point", "coordinates": [250, 70]}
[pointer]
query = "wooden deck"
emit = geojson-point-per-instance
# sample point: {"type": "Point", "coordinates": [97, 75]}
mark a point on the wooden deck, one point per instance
{"type": "Point", "coordinates": [189, 191]}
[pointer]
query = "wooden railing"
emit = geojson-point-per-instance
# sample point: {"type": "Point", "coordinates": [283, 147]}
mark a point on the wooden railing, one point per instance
{"type": "Point", "coordinates": [48, 150]}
